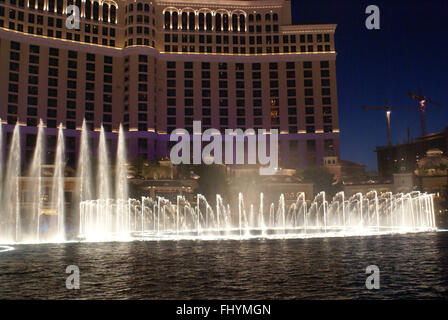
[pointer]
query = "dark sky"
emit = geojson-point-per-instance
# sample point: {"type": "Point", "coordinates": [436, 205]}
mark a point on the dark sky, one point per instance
{"type": "Point", "coordinates": [409, 51]}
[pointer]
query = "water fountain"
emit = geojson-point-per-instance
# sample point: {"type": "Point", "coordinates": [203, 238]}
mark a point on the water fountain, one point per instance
{"type": "Point", "coordinates": [108, 213]}
{"type": "Point", "coordinates": [35, 174]}
{"type": "Point", "coordinates": [10, 214]}
{"type": "Point", "coordinates": [160, 219]}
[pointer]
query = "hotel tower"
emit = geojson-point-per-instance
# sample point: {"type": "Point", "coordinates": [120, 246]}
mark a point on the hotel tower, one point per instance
{"type": "Point", "coordinates": [154, 66]}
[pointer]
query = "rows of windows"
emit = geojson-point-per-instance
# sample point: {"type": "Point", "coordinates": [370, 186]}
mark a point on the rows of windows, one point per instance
{"type": "Point", "coordinates": [219, 20]}
{"type": "Point", "coordinates": [240, 44]}
{"type": "Point", "coordinates": [13, 83]}
{"type": "Point", "coordinates": [55, 27]}
{"type": "Point", "coordinates": [143, 96]}
{"type": "Point", "coordinates": [141, 25]}
{"type": "Point", "coordinates": [143, 93]}
{"type": "Point", "coordinates": [242, 111]}
{"type": "Point", "coordinates": [90, 10]}
{"type": "Point", "coordinates": [205, 21]}
{"type": "Point", "coordinates": [144, 33]}
{"type": "Point", "coordinates": [72, 65]}
{"type": "Point", "coordinates": [140, 7]}
{"type": "Point", "coordinates": [50, 142]}
{"type": "Point", "coordinates": [54, 97]}
{"type": "Point", "coordinates": [126, 95]}
{"type": "Point", "coordinates": [291, 99]}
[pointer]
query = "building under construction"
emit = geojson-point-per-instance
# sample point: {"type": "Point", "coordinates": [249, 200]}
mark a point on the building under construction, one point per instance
{"type": "Point", "coordinates": [403, 157]}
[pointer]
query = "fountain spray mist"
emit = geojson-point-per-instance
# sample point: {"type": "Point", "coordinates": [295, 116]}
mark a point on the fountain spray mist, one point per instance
{"type": "Point", "coordinates": [11, 197]}
{"type": "Point", "coordinates": [103, 175]}
{"type": "Point", "coordinates": [57, 194]}
{"type": "Point", "coordinates": [35, 176]}
{"type": "Point", "coordinates": [84, 172]}
{"type": "Point", "coordinates": [83, 190]}
{"type": "Point", "coordinates": [121, 183]}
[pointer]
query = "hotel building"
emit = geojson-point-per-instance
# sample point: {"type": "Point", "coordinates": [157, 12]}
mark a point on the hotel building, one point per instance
{"type": "Point", "coordinates": [155, 66]}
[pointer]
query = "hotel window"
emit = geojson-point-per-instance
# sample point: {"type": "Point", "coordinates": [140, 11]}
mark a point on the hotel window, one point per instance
{"type": "Point", "coordinates": [325, 91]}
{"type": "Point", "coordinates": [325, 73]}
{"type": "Point", "coordinates": [309, 101]}
{"type": "Point", "coordinates": [307, 74]}
{"type": "Point", "coordinates": [308, 82]}
{"type": "Point", "coordinates": [326, 110]}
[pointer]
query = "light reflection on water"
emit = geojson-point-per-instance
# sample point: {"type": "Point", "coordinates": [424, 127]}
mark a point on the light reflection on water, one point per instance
{"type": "Point", "coordinates": [412, 266]}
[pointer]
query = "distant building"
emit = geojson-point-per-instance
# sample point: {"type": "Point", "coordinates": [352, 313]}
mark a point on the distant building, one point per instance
{"type": "Point", "coordinates": [246, 179]}
{"type": "Point", "coordinates": [432, 174]}
{"type": "Point", "coordinates": [403, 157]}
{"type": "Point", "coordinates": [166, 188]}
{"type": "Point", "coordinates": [344, 170]}
{"type": "Point", "coordinates": [401, 183]}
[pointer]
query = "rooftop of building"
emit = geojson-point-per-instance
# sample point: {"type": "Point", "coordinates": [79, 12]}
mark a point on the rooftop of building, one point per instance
{"type": "Point", "coordinates": [420, 139]}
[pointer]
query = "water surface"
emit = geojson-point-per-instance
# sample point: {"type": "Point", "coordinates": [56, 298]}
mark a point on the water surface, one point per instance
{"type": "Point", "coordinates": [413, 266]}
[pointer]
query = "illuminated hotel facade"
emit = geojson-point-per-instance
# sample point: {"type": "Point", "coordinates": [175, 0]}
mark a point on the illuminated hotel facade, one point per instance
{"type": "Point", "coordinates": [155, 66]}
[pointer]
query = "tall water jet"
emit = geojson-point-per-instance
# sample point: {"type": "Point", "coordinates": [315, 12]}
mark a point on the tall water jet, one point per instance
{"type": "Point", "coordinates": [35, 181]}
{"type": "Point", "coordinates": [103, 171]}
{"type": "Point", "coordinates": [83, 190]}
{"type": "Point", "coordinates": [84, 172]}
{"type": "Point", "coordinates": [121, 182]}
{"type": "Point", "coordinates": [57, 193]}
{"type": "Point", "coordinates": [10, 218]}
{"type": "Point", "coordinates": [121, 185]}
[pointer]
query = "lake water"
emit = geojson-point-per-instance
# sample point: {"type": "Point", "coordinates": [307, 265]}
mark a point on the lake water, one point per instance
{"type": "Point", "coordinates": [412, 266]}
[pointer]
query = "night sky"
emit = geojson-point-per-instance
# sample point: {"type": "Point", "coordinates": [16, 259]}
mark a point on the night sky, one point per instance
{"type": "Point", "coordinates": [409, 51]}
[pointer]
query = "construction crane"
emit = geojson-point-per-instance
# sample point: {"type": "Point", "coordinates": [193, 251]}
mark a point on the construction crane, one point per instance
{"type": "Point", "coordinates": [388, 110]}
{"type": "Point", "coordinates": [422, 100]}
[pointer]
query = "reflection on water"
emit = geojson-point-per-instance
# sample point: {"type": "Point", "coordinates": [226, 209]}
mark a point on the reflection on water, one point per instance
{"type": "Point", "coordinates": [412, 266]}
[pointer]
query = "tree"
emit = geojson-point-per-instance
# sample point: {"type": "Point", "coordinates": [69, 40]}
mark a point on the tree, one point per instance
{"type": "Point", "coordinates": [322, 179]}
{"type": "Point", "coordinates": [212, 180]}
